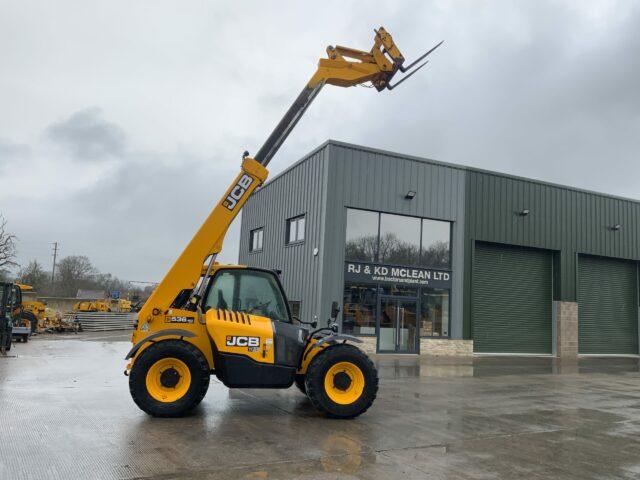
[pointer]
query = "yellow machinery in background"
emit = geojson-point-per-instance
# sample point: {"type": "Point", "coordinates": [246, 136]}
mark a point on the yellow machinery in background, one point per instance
{"type": "Point", "coordinates": [120, 305]}
{"type": "Point", "coordinates": [92, 306]}
{"type": "Point", "coordinates": [31, 310]}
{"type": "Point", "coordinates": [103, 305]}
{"type": "Point", "coordinates": [234, 321]}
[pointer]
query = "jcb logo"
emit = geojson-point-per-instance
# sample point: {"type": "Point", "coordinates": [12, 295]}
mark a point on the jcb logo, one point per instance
{"type": "Point", "coordinates": [238, 191]}
{"type": "Point", "coordinates": [243, 341]}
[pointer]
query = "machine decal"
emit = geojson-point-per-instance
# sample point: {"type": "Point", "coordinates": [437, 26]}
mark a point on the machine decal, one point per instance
{"type": "Point", "coordinates": [179, 319]}
{"type": "Point", "coordinates": [238, 191]}
{"type": "Point", "coordinates": [241, 341]}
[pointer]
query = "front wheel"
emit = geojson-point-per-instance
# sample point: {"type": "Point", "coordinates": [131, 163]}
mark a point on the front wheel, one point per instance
{"type": "Point", "coordinates": [342, 381]}
{"type": "Point", "coordinates": [169, 379]}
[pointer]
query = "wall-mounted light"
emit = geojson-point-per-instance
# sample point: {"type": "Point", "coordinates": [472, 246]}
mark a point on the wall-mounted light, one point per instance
{"type": "Point", "coordinates": [410, 195]}
{"type": "Point", "coordinates": [616, 227]}
{"type": "Point", "coordinates": [524, 213]}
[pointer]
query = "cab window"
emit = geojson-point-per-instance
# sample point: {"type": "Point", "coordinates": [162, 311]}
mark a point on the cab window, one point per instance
{"type": "Point", "coordinates": [248, 291]}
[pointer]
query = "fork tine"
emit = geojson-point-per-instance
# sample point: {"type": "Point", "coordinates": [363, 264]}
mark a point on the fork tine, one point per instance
{"type": "Point", "coordinates": [405, 69]}
{"type": "Point", "coordinates": [391, 87]}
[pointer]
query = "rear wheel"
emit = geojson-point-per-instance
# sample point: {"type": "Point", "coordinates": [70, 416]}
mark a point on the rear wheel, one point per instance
{"type": "Point", "coordinates": [341, 381]}
{"type": "Point", "coordinates": [169, 379]}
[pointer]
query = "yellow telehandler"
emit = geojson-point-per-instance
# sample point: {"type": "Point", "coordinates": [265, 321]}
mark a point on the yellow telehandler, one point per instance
{"type": "Point", "coordinates": [234, 321]}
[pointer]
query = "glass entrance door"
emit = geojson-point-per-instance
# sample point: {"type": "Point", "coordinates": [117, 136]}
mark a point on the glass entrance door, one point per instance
{"type": "Point", "coordinates": [397, 324]}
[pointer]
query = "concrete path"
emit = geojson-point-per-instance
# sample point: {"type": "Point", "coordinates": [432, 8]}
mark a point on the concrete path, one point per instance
{"type": "Point", "coordinates": [65, 413]}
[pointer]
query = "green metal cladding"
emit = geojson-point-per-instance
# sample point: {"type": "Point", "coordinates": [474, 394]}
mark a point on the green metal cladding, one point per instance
{"type": "Point", "coordinates": [566, 221]}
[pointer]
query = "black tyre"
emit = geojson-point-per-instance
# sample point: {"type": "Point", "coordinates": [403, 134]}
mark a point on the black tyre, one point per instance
{"type": "Point", "coordinates": [33, 320]}
{"type": "Point", "coordinates": [299, 381]}
{"type": "Point", "coordinates": [169, 379]}
{"type": "Point", "coordinates": [342, 381]}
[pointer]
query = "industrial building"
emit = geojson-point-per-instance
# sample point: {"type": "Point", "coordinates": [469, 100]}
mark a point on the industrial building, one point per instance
{"type": "Point", "coordinates": [428, 257]}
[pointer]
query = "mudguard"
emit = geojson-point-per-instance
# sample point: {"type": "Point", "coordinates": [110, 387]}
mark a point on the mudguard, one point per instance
{"type": "Point", "coordinates": [337, 336]}
{"type": "Point", "coordinates": [162, 333]}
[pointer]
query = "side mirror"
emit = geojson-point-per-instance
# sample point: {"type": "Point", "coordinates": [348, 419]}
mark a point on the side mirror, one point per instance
{"type": "Point", "coordinates": [335, 310]}
{"type": "Point", "coordinates": [313, 324]}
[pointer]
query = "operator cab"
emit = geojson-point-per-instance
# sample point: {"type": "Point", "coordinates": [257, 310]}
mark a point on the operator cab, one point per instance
{"type": "Point", "coordinates": [248, 290]}
{"type": "Point", "coordinates": [255, 296]}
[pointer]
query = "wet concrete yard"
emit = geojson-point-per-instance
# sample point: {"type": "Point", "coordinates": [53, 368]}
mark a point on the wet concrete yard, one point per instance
{"type": "Point", "coordinates": [66, 413]}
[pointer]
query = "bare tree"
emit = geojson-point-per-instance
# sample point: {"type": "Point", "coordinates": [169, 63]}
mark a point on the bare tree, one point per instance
{"type": "Point", "coordinates": [75, 272]}
{"type": "Point", "coordinates": [34, 275]}
{"type": "Point", "coordinates": [7, 246]}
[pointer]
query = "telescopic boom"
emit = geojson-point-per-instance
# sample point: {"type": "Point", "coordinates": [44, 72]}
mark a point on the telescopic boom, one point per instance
{"type": "Point", "coordinates": [344, 67]}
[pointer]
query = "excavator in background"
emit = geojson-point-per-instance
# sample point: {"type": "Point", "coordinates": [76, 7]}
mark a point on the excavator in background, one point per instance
{"type": "Point", "coordinates": [234, 321]}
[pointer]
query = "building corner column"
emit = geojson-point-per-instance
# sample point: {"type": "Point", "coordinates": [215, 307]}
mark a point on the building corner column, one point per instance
{"type": "Point", "coordinates": [566, 314]}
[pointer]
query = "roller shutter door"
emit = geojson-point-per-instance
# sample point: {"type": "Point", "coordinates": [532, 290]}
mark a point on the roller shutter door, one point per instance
{"type": "Point", "coordinates": [512, 300]}
{"type": "Point", "coordinates": [607, 306]}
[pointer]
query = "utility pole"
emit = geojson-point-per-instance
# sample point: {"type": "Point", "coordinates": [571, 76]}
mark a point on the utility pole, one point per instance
{"type": "Point", "coordinates": [53, 269]}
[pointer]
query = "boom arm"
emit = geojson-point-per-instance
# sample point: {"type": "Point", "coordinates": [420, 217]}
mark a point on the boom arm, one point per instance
{"type": "Point", "coordinates": [377, 66]}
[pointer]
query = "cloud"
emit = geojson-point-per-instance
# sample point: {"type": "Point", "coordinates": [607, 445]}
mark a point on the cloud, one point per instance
{"type": "Point", "coordinates": [10, 152]}
{"type": "Point", "coordinates": [543, 89]}
{"type": "Point", "coordinates": [87, 136]}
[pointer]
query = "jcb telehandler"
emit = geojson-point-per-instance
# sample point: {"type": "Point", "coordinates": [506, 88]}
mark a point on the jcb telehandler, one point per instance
{"type": "Point", "coordinates": [234, 321]}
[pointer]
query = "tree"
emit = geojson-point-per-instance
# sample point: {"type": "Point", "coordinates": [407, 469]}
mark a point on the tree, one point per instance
{"type": "Point", "coordinates": [34, 275]}
{"type": "Point", "coordinates": [7, 246]}
{"type": "Point", "coordinates": [75, 272]}
{"type": "Point", "coordinates": [4, 275]}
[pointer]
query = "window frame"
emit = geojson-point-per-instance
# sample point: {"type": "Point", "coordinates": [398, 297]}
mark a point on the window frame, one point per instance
{"type": "Point", "coordinates": [252, 234]}
{"type": "Point", "coordinates": [287, 234]}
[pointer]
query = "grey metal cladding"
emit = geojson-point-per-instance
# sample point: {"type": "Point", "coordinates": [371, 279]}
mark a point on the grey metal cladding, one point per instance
{"type": "Point", "coordinates": [371, 179]}
{"type": "Point", "coordinates": [298, 190]}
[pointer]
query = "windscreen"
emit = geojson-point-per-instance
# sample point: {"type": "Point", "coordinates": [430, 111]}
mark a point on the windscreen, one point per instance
{"type": "Point", "coordinates": [248, 291]}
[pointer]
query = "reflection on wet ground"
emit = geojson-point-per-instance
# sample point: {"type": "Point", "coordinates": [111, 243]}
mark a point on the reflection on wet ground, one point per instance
{"type": "Point", "coordinates": [66, 413]}
{"type": "Point", "coordinates": [484, 366]}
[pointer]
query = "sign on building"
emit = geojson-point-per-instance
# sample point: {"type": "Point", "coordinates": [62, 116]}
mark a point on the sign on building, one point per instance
{"type": "Point", "coordinates": [415, 276]}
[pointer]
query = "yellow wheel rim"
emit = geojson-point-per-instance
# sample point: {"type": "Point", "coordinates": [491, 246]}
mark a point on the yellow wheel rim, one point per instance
{"type": "Point", "coordinates": [168, 380]}
{"type": "Point", "coordinates": [344, 383]}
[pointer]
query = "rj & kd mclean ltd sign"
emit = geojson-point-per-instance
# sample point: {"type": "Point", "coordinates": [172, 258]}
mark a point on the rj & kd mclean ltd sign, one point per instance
{"type": "Point", "coordinates": [369, 273]}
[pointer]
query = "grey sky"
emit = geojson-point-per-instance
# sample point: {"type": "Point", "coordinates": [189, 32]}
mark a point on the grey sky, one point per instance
{"type": "Point", "coordinates": [121, 123]}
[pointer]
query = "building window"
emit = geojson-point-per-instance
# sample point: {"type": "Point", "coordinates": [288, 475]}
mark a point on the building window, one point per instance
{"type": "Point", "coordinates": [434, 312]}
{"type": "Point", "coordinates": [295, 230]}
{"type": "Point", "coordinates": [359, 309]}
{"type": "Point", "coordinates": [294, 307]}
{"type": "Point", "coordinates": [397, 239]}
{"type": "Point", "coordinates": [255, 240]}
{"type": "Point", "coordinates": [435, 251]}
{"type": "Point", "coordinates": [362, 235]}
